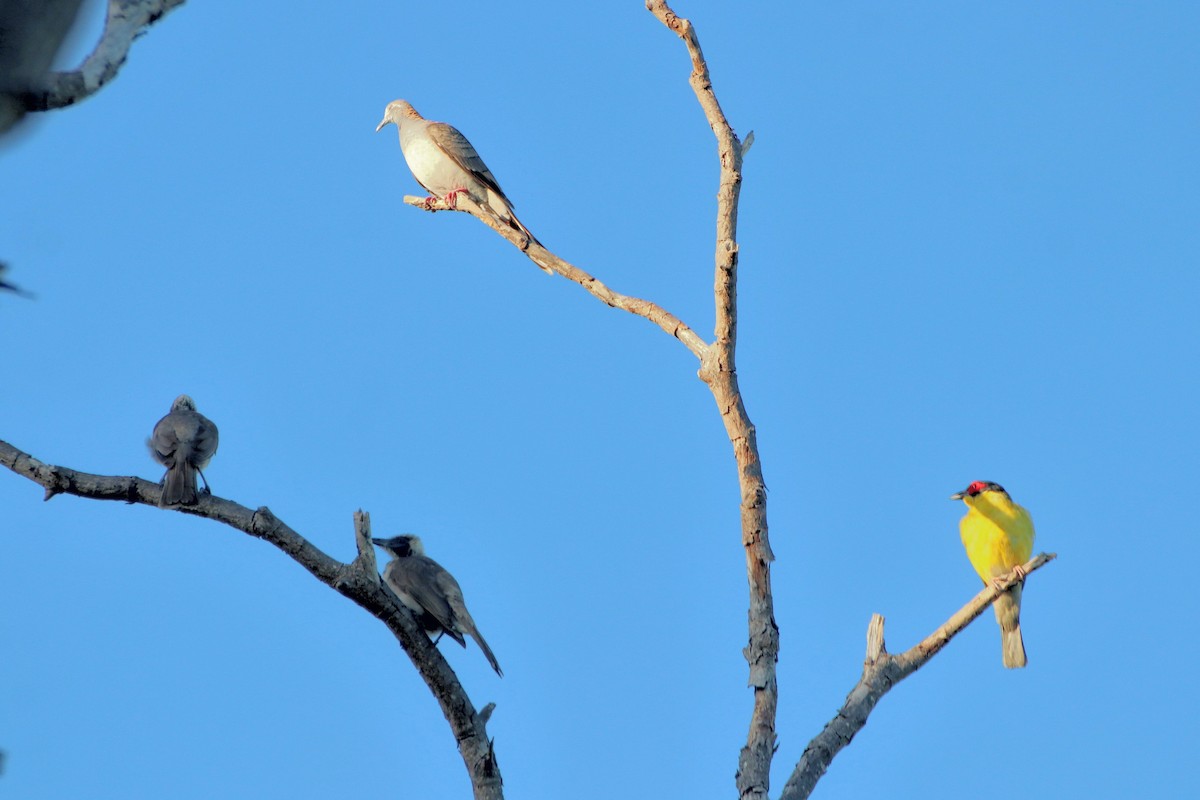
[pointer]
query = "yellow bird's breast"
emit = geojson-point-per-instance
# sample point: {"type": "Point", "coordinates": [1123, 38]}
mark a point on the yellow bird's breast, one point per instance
{"type": "Point", "coordinates": [997, 536]}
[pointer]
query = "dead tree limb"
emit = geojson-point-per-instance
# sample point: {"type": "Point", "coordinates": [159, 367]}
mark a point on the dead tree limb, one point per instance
{"type": "Point", "coordinates": [358, 580]}
{"type": "Point", "coordinates": [717, 370]}
{"type": "Point", "coordinates": [126, 19]}
{"type": "Point", "coordinates": [31, 34]}
{"type": "Point", "coordinates": [882, 671]}
{"type": "Point", "coordinates": [543, 257]}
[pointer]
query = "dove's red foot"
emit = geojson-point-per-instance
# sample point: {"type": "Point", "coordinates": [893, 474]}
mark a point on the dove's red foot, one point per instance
{"type": "Point", "coordinates": [452, 197]}
{"type": "Point", "coordinates": [429, 201]}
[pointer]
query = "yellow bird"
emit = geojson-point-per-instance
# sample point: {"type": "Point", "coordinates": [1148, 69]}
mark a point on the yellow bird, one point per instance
{"type": "Point", "coordinates": [998, 536]}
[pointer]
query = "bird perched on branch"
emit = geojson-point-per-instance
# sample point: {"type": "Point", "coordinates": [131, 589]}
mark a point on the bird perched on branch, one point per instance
{"type": "Point", "coordinates": [446, 165]}
{"type": "Point", "coordinates": [998, 536]}
{"type": "Point", "coordinates": [184, 442]}
{"type": "Point", "coordinates": [430, 592]}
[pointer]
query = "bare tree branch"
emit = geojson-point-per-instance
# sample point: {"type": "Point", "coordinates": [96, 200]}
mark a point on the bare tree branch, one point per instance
{"type": "Point", "coordinates": [882, 671]}
{"type": "Point", "coordinates": [125, 21]}
{"type": "Point", "coordinates": [540, 255]}
{"type": "Point", "coordinates": [718, 371]}
{"type": "Point", "coordinates": [366, 550]}
{"type": "Point", "coordinates": [358, 580]}
{"type": "Point", "coordinates": [31, 33]}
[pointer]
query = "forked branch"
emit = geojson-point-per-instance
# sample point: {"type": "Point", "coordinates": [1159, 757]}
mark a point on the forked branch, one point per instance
{"type": "Point", "coordinates": [718, 371]}
{"type": "Point", "coordinates": [882, 671]}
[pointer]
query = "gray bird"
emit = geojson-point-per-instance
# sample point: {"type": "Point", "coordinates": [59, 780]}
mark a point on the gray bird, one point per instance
{"type": "Point", "coordinates": [445, 163]}
{"type": "Point", "coordinates": [184, 442]}
{"type": "Point", "coordinates": [430, 592]}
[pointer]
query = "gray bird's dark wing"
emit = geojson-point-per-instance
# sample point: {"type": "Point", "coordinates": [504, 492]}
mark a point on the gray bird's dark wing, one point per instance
{"type": "Point", "coordinates": [462, 618]}
{"type": "Point", "coordinates": [205, 444]}
{"type": "Point", "coordinates": [195, 432]}
{"type": "Point", "coordinates": [423, 580]}
{"type": "Point", "coordinates": [164, 440]}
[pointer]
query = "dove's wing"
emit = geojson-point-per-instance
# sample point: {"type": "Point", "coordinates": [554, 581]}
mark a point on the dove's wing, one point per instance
{"type": "Point", "coordinates": [460, 151]}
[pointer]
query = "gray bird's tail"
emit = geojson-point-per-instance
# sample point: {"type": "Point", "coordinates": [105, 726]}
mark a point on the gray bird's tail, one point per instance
{"type": "Point", "coordinates": [1008, 614]}
{"type": "Point", "coordinates": [179, 485]}
{"type": "Point", "coordinates": [487, 651]}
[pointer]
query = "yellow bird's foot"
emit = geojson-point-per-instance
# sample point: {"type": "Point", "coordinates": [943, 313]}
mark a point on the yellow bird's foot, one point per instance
{"type": "Point", "coordinates": [1017, 572]}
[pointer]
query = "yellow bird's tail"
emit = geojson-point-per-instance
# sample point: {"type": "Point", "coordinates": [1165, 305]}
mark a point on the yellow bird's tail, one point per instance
{"type": "Point", "coordinates": [1008, 614]}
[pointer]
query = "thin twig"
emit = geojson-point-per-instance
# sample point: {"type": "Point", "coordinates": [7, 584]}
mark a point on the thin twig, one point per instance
{"type": "Point", "coordinates": [354, 580]}
{"type": "Point", "coordinates": [882, 671]}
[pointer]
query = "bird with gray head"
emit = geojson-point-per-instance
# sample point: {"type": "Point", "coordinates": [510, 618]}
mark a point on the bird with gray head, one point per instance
{"type": "Point", "coordinates": [446, 165]}
{"type": "Point", "coordinates": [184, 442]}
{"type": "Point", "coordinates": [430, 592]}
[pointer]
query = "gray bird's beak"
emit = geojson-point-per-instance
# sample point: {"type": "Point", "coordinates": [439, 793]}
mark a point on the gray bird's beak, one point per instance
{"type": "Point", "coordinates": [958, 495]}
{"type": "Point", "coordinates": [380, 542]}
{"type": "Point", "coordinates": [379, 127]}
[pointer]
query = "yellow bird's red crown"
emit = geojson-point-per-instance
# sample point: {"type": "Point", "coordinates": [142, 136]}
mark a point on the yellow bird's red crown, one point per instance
{"type": "Point", "coordinates": [979, 487]}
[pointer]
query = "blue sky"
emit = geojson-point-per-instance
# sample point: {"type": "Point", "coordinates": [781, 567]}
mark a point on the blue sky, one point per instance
{"type": "Point", "coordinates": [968, 251]}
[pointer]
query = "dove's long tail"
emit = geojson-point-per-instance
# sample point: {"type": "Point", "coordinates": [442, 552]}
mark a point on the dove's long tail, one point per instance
{"type": "Point", "coordinates": [520, 226]}
{"type": "Point", "coordinates": [500, 206]}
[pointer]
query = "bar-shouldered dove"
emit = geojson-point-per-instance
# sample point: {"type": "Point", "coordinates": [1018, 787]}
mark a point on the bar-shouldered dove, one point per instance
{"type": "Point", "coordinates": [184, 442]}
{"type": "Point", "coordinates": [430, 592]}
{"type": "Point", "coordinates": [445, 164]}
